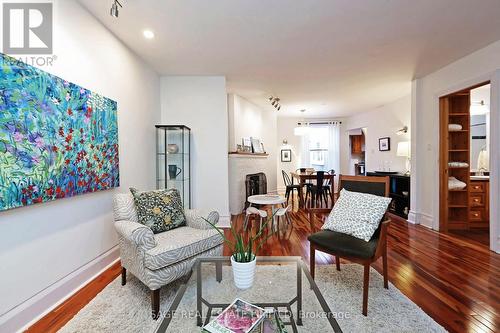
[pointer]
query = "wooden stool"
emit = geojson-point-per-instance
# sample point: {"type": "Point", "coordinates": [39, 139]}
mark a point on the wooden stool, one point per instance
{"type": "Point", "coordinates": [262, 214]}
{"type": "Point", "coordinates": [283, 214]}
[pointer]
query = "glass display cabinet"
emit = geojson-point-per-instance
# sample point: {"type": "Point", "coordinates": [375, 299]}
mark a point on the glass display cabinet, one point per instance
{"type": "Point", "coordinates": [173, 160]}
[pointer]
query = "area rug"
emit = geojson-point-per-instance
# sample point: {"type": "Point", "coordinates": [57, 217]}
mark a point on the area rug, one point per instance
{"type": "Point", "coordinates": [127, 308]}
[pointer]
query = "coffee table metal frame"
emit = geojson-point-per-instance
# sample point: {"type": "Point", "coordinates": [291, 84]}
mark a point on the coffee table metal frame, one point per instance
{"type": "Point", "coordinates": [219, 261]}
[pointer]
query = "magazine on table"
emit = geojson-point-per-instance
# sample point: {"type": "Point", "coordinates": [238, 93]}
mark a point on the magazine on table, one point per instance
{"type": "Point", "coordinates": [239, 317]}
{"type": "Point", "coordinates": [271, 323]}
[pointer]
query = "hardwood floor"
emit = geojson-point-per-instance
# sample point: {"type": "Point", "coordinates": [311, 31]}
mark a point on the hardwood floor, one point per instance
{"type": "Point", "coordinates": [56, 319]}
{"type": "Point", "coordinates": [454, 280]}
{"type": "Point", "coordinates": [479, 235]}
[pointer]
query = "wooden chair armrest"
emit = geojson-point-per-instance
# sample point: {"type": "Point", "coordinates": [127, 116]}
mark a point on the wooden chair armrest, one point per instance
{"type": "Point", "coordinates": [312, 211]}
{"type": "Point", "coordinates": [382, 240]}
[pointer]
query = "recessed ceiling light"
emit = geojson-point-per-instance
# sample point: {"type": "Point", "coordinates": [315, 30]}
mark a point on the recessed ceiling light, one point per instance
{"type": "Point", "coordinates": [148, 34]}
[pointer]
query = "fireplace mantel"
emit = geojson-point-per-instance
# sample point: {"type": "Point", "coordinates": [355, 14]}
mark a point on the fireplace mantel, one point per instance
{"type": "Point", "coordinates": [248, 155]}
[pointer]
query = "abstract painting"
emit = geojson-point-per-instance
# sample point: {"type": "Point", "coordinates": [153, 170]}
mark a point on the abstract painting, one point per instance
{"type": "Point", "coordinates": [57, 139]}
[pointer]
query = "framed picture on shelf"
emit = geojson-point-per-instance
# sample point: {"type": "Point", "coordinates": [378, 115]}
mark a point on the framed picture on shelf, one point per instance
{"type": "Point", "coordinates": [257, 147]}
{"type": "Point", "coordinates": [246, 145]}
{"type": "Point", "coordinates": [286, 155]}
{"type": "Point", "coordinates": [384, 144]}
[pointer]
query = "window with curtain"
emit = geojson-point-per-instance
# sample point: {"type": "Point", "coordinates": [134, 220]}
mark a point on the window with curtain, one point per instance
{"type": "Point", "coordinates": [318, 147]}
{"type": "Point", "coordinates": [321, 146]}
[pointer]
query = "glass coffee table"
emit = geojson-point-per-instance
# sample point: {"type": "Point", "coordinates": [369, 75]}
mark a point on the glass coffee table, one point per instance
{"type": "Point", "coordinates": [282, 283]}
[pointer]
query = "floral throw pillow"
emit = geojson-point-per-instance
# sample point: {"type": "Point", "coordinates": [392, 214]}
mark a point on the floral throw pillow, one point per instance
{"type": "Point", "coordinates": [357, 214]}
{"type": "Point", "coordinates": [161, 210]}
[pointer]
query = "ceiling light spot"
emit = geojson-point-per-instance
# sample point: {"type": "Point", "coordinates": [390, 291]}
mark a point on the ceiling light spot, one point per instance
{"type": "Point", "coordinates": [148, 34]}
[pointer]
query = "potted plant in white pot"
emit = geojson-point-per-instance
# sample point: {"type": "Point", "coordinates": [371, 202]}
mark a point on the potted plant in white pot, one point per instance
{"type": "Point", "coordinates": [244, 249]}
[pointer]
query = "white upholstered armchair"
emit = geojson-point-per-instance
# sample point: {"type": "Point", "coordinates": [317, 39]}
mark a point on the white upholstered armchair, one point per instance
{"type": "Point", "coordinates": [158, 259]}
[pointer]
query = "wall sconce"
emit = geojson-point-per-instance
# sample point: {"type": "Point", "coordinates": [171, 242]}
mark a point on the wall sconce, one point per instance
{"type": "Point", "coordinates": [402, 131]}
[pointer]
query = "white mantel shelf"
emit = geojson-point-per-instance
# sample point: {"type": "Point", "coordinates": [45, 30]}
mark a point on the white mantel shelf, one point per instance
{"type": "Point", "coordinates": [248, 155]}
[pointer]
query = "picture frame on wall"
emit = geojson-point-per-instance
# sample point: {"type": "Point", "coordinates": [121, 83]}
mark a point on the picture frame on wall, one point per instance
{"type": "Point", "coordinates": [286, 155]}
{"type": "Point", "coordinates": [384, 144]}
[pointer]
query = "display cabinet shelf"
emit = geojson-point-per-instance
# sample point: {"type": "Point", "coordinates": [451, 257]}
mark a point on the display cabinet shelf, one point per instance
{"type": "Point", "coordinates": [173, 160]}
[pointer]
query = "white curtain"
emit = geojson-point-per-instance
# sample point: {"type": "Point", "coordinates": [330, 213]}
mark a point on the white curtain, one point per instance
{"type": "Point", "coordinates": [305, 157]}
{"type": "Point", "coordinates": [334, 149]}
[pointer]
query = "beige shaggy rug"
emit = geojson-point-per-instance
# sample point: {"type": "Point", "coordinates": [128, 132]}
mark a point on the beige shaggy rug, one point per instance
{"type": "Point", "coordinates": [127, 308]}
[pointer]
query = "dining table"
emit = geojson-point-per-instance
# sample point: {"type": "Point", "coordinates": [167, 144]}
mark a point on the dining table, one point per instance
{"type": "Point", "coordinates": [303, 176]}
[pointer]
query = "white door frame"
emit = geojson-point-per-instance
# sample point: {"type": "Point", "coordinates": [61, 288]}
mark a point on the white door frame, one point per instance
{"type": "Point", "coordinates": [494, 78]}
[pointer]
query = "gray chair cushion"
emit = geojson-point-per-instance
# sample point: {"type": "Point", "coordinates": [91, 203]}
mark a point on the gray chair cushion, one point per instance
{"type": "Point", "coordinates": [344, 245]}
{"type": "Point", "coordinates": [364, 187]}
{"type": "Point", "coordinates": [179, 244]}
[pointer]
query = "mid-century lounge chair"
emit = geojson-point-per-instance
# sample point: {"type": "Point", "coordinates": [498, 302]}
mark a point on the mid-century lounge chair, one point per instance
{"type": "Point", "coordinates": [351, 248]}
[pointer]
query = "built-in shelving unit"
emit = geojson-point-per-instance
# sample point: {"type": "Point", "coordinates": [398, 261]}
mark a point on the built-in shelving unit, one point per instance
{"type": "Point", "coordinates": [454, 147]}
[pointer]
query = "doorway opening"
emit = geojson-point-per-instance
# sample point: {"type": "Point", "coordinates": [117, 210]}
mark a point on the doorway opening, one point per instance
{"type": "Point", "coordinates": [464, 163]}
{"type": "Point", "coordinates": [357, 162]}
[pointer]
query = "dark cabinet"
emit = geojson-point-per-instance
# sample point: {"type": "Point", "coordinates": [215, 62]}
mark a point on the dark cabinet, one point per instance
{"type": "Point", "coordinates": [399, 191]}
{"type": "Point", "coordinates": [357, 144]}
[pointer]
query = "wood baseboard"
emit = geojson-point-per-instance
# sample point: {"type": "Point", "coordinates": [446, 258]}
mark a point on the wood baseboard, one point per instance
{"type": "Point", "coordinates": [58, 317]}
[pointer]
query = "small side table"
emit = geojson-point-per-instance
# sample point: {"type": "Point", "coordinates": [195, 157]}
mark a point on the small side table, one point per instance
{"type": "Point", "coordinates": [272, 200]}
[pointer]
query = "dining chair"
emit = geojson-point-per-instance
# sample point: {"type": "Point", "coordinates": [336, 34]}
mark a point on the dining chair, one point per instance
{"type": "Point", "coordinates": [351, 248]}
{"type": "Point", "coordinates": [290, 187]}
{"type": "Point", "coordinates": [316, 191]}
{"type": "Point", "coordinates": [327, 188]}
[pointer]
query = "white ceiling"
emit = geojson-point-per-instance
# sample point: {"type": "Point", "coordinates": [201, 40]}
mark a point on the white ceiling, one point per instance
{"type": "Point", "coordinates": [332, 57]}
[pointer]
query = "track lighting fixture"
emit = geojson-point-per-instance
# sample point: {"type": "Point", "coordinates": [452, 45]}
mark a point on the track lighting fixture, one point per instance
{"type": "Point", "coordinates": [114, 8]}
{"type": "Point", "coordinates": [275, 101]}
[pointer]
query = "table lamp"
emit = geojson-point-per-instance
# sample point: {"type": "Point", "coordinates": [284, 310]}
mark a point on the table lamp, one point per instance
{"type": "Point", "coordinates": [404, 151]}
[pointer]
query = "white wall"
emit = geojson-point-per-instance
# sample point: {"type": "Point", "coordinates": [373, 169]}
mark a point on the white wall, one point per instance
{"type": "Point", "coordinates": [286, 126]}
{"type": "Point", "coordinates": [48, 250]}
{"type": "Point", "coordinates": [200, 102]}
{"type": "Point", "coordinates": [248, 120]}
{"type": "Point", "coordinates": [285, 132]}
{"type": "Point", "coordinates": [381, 122]}
{"type": "Point", "coordinates": [472, 69]}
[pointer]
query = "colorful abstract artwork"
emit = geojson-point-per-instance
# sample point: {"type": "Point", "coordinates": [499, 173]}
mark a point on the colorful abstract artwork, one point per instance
{"type": "Point", "coordinates": [57, 139]}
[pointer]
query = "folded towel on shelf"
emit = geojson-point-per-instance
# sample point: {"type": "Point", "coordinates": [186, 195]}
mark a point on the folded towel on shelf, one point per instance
{"type": "Point", "coordinates": [458, 165]}
{"type": "Point", "coordinates": [455, 184]}
{"type": "Point", "coordinates": [454, 127]}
